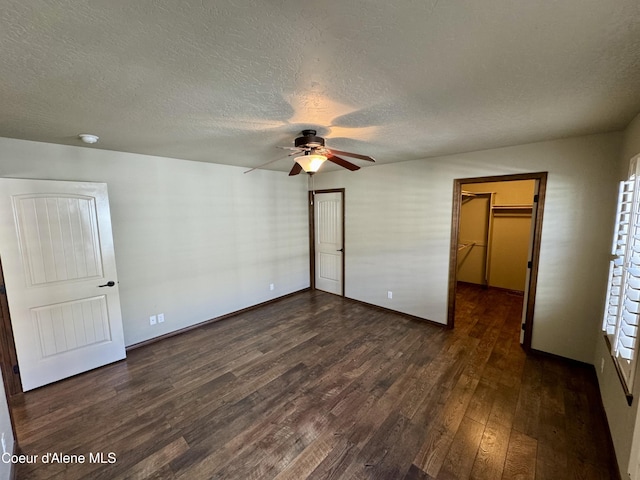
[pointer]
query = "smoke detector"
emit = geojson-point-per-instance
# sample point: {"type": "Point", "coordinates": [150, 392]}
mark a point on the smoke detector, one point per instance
{"type": "Point", "coordinates": [88, 138]}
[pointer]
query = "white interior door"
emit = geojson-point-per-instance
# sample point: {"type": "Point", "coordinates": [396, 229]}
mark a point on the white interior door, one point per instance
{"type": "Point", "coordinates": [60, 274]}
{"type": "Point", "coordinates": [328, 214]}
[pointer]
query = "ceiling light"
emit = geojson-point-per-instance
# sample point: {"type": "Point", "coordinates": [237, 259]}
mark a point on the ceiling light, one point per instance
{"type": "Point", "coordinates": [88, 138]}
{"type": "Point", "coordinates": [311, 163]}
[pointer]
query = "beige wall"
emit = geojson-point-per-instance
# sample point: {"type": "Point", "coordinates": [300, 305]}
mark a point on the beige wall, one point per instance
{"type": "Point", "coordinates": [473, 241]}
{"type": "Point", "coordinates": [398, 230]}
{"type": "Point", "coordinates": [193, 240]}
{"type": "Point", "coordinates": [630, 145]}
{"type": "Point", "coordinates": [620, 416]}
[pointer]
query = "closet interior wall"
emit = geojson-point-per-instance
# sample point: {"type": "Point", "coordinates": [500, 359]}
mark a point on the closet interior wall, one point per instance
{"type": "Point", "coordinates": [475, 217]}
{"type": "Point", "coordinates": [495, 229]}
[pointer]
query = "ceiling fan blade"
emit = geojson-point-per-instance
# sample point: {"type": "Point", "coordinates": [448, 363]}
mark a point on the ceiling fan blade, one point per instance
{"type": "Point", "coordinates": [353, 155]}
{"type": "Point", "coordinates": [290, 148]}
{"type": "Point", "coordinates": [263, 165]}
{"type": "Point", "coordinates": [343, 163]}
{"type": "Point", "coordinates": [295, 170]}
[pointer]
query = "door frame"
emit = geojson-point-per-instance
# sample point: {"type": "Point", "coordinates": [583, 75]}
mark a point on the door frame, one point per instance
{"type": "Point", "coordinates": [8, 359]}
{"type": "Point", "coordinates": [8, 354]}
{"type": "Point", "coordinates": [541, 177]}
{"type": "Point", "coordinates": [312, 235]}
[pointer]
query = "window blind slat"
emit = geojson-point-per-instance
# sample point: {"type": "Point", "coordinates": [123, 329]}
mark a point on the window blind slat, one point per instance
{"type": "Point", "coordinates": [629, 331]}
{"type": "Point", "coordinates": [629, 318]}
{"type": "Point", "coordinates": [628, 343]}
{"type": "Point", "coordinates": [632, 294]}
{"type": "Point", "coordinates": [624, 352]}
{"type": "Point", "coordinates": [632, 281]}
{"type": "Point", "coordinates": [631, 306]}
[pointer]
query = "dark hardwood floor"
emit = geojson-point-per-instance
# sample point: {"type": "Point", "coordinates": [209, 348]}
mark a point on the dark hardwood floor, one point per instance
{"type": "Point", "coordinates": [319, 387]}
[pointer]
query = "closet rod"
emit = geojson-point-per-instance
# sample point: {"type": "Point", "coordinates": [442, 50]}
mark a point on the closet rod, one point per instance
{"type": "Point", "coordinates": [466, 193]}
{"type": "Point", "coordinates": [462, 246]}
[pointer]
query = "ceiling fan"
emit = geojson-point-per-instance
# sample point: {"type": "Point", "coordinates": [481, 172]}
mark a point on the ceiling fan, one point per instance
{"type": "Point", "coordinates": [313, 153]}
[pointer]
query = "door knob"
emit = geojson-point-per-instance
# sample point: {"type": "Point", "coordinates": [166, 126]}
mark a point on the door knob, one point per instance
{"type": "Point", "coordinates": [341, 250]}
{"type": "Point", "coordinates": [110, 283]}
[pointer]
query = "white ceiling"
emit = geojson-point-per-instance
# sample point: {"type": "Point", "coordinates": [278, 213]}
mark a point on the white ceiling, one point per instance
{"type": "Point", "coordinates": [226, 81]}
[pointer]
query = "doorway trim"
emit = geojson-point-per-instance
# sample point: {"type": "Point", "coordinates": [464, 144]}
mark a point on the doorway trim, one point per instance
{"type": "Point", "coordinates": [312, 235]}
{"type": "Point", "coordinates": [541, 177]}
{"type": "Point", "coordinates": [8, 355]}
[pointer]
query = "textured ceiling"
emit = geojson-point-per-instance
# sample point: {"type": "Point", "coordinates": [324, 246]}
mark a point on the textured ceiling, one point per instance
{"type": "Point", "coordinates": [226, 81]}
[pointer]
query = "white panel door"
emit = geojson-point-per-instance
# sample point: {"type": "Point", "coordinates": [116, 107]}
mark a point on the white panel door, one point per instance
{"type": "Point", "coordinates": [60, 273]}
{"type": "Point", "coordinates": [328, 242]}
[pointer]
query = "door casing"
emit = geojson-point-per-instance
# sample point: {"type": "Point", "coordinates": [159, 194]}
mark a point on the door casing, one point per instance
{"type": "Point", "coordinates": [312, 224]}
{"type": "Point", "coordinates": [8, 355]}
{"type": "Point", "coordinates": [541, 177]}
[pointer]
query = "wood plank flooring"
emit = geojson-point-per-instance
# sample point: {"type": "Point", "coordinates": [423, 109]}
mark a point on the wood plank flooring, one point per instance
{"type": "Point", "coordinates": [320, 387]}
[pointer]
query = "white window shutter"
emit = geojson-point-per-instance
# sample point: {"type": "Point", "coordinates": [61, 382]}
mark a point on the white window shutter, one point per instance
{"type": "Point", "coordinates": [622, 308]}
{"type": "Point", "coordinates": [618, 249]}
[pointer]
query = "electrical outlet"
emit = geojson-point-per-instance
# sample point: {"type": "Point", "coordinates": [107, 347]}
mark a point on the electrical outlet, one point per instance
{"type": "Point", "coordinates": [389, 295]}
{"type": "Point", "coordinates": [160, 317]}
{"type": "Point", "coordinates": [153, 320]}
{"type": "Point", "coordinates": [271, 286]}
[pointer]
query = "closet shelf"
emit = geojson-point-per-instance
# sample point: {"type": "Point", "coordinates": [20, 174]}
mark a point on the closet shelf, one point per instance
{"type": "Point", "coordinates": [513, 210]}
{"type": "Point", "coordinates": [514, 206]}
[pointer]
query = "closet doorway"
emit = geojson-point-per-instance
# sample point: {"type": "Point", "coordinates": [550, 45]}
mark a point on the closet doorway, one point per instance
{"type": "Point", "coordinates": [496, 230]}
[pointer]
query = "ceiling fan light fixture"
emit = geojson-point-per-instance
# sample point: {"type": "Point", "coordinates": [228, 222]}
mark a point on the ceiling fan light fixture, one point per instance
{"type": "Point", "coordinates": [311, 163]}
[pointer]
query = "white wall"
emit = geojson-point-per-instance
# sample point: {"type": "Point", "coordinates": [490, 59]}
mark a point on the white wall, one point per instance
{"type": "Point", "coordinates": [193, 240]}
{"type": "Point", "coordinates": [398, 228]}
{"type": "Point", "coordinates": [620, 416]}
{"type": "Point", "coordinates": [5, 431]}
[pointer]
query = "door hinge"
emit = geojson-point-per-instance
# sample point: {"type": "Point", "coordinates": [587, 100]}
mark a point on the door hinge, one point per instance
{"type": "Point", "coordinates": [529, 264]}
{"type": "Point", "coordinates": [523, 327]}
{"type": "Point", "coordinates": [3, 290]}
{"type": "Point", "coordinates": [536, 198]}
{"type": "Point", "coordinates": [16, 369]}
